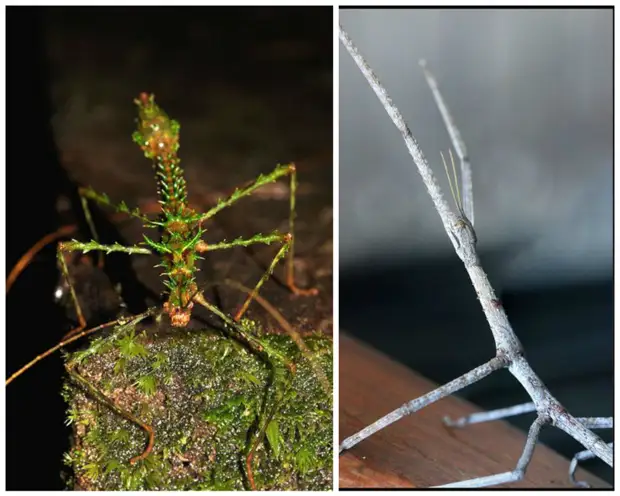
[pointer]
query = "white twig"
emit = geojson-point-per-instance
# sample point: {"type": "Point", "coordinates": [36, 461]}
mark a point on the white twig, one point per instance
{"type": "Point", "coordinates": [590, 423]}
{"type": "Point", "coordinates": [419, 403]}
{"type": "Point", "coordinates": [477, 418]}
{"type": "Point", "coordinates": [505, 477]}
{"type": "Point", "coordinates": [463, 238]}
{"type": "Point", "coordinates": [580, 457]}
{"type": "Point", "coordinates": [457, 141]}
{"type": "Point", "coordinates": [597, 422]}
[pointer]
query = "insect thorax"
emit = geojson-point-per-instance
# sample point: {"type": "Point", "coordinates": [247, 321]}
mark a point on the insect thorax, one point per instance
{"type": "Point", "coordinates": [180, 234]}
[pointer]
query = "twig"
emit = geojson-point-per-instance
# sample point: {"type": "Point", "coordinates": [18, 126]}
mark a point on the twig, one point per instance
{"type": "Point", "coordinates": [597, 422]}
{"type": "Point", "coordinates": [515, 475]}
{"type": "Point", "coordinates": [477, 418]}
{"type": "Point", "coordinates": [413, 406]}
{"type": "Point", "coordinates": [590, 423]}
{"type": "Point", "coordinates": [580, 457]}
{"type": "Point", "coordinates": [508, 347]}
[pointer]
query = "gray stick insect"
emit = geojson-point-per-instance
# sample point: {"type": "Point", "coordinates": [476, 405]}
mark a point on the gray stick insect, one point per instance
{"type": "Point", "coordinates": [509, 352]}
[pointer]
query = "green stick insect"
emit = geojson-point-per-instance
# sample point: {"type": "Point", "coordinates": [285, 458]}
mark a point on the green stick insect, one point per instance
{"type": "Point", "coordinates": [179, 248]}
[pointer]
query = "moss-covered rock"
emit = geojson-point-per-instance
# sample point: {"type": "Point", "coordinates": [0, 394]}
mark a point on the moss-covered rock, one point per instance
{"type": "Point", "coordinates": [202, 392]}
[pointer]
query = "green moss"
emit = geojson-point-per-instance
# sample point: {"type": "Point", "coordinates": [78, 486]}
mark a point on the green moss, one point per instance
{"type": "Point", "coordinates": [202, 392]}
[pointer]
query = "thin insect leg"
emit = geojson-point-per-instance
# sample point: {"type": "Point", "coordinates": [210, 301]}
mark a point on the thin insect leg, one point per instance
{"type": "Point", "coordinates": [413, 406]}
{"type": "Point", "coordinates": [267, 239]}
{"type": "Point", "coordinates": [512, 476]}
{"type": "Point", "coordinates": [83, 192]}
{"type": "Point", "coordinates": [580, 457]}
{"type": "Point", "coordinates": [68, 246]}
{"type": "Point", "coordinates": [103, 199]}
{"type": "Point", "coordinates": [290, 271]}
{"type": "Point", "coordinates": [477, 418]}
{"type": "Point", "coordinates": [590, 423]}
{"type": "Point", "coordinates": [259, 238]}
{"type": "Point", "coordinates": [101, 396]}
{"type": "Point", "coordinates": [27, 257]}
{"type": "Point", "coordinates": [597, 422]}
{"type": "Point", "coordinates": [281, 379]}
{"type": "Point", "coordinates": [280, 171]}
{"type": "Point", "coordinates": [72, 339]}
{"type": "Point", "coordinates": [62, 248]}
{"type": "Point", "coordinates": [65, 230]}
{"type": "Point", "coordinates": [93, 246]}
{"type": "Point", "coordinates": [290, 331]}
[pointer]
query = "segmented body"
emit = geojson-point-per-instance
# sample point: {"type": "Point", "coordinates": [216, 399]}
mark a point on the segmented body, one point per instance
{"type": "Point", "coordinates": [158, 137]}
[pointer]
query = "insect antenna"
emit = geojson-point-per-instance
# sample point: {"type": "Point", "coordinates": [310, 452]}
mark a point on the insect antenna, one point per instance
{"type": "Point", "coordinates": [454, 188]}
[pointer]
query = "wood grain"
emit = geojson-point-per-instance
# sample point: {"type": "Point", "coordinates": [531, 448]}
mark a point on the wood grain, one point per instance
{"type": "Point", "coordinates": [419, 451]}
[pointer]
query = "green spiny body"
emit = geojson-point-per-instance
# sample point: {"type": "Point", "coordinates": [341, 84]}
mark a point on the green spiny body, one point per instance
{"type": "Point", "coordinates": [158, 136]}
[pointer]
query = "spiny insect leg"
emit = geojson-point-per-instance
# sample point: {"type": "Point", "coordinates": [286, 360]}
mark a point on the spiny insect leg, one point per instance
{"type": "Point", "coordinates": [103, 199]}
{"type": "Point", "coordinates": [85, 193]}
{"type": "Point", "coordinates": [69, 246]}
{"type": "Point", "coordinates": [259, 238]}
{"type": "Point", "coordinates": [279, 171]}
{"type": "Point", "coordinates": [281, 379]}
{"type": "Point", "coordinates": [279, 256]}
{"type": "Point", "coordinates": [101, 396]}
{"type": "Point", "coordinates": [72, 339]}
{"type": "Point", "coordinates": [263, 179]}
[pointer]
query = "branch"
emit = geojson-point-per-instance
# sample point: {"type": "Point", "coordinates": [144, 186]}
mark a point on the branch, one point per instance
{"type": "Point", "coordinates": [515, 475]}
{"type": "Point", "coordinates": [477, 418]}
{"type": "Point", "coordinates": [580, 457]}
{"type": "Point", "coordinates": [413, 406]}
{"type": "Point", "coordinates": [463, 238]}
{"type": "Point", "coordinates": [590, 423]}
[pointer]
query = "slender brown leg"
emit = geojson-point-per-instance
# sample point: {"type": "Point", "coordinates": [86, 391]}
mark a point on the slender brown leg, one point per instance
{"type": "Point", "coordinates": [290, 270]}
{"type": "Point", "coordinates": [281, 380]}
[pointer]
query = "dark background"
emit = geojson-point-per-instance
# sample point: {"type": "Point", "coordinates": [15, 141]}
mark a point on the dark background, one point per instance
{"type": "Point", "coordinates": [251, 88]}
{"type": "Point", "coordinates": [531, 91]}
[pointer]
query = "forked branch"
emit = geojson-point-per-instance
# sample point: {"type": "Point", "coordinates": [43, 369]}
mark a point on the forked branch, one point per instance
{"type": "Point", "coordinates": [509, 352]}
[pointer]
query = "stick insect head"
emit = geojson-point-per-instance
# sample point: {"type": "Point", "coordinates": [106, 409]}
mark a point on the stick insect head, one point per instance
{"type": "Point", "coordinates": [179, 315]}
{"type": "Point", "coordinates": [179, 306]}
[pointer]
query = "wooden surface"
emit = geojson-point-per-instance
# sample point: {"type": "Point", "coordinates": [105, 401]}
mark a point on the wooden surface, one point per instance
{"type": "Point", "coordinates": [418, 451]}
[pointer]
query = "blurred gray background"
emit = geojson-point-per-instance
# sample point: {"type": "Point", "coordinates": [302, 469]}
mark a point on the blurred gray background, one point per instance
{"type": "Point", "coordinates": [531, 91]}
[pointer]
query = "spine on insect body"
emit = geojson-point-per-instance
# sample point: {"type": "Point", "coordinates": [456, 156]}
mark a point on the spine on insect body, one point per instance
{"type": "Point", "coordinates": [158, 137]}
